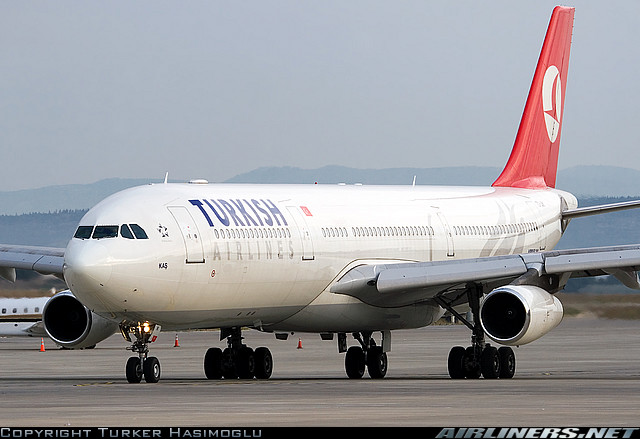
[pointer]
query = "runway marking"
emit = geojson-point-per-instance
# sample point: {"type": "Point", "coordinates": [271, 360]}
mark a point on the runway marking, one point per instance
{"type": "Point", "coordinates": [106, 383]}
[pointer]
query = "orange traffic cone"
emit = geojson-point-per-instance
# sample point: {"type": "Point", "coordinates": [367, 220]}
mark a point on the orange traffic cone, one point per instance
{"type": "Point", "coordinates": [42, 345]}
{"type": "Point", "coordinates": [176, 344]}
{"type": "Point", "coordinates": [299, 343]}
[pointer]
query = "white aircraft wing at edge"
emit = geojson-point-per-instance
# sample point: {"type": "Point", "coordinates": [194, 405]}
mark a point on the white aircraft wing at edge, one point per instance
{"type": "Point", "coordinates": [391, 285]}
{"type": "Point", "coordinates": [44, 260]}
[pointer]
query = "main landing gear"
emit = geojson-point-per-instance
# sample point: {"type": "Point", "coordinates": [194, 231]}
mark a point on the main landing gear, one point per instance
{"type": "Point", "coordinates": [368, 355]}
{"type": "Point", "coordinates": [142, 365]}
{"type": "Point", "coordinates": [479, 359]}
{"type": "Point", "coordinates": [237, 360]}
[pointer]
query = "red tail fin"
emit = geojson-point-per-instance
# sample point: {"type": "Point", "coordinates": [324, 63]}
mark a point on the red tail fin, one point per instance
{"type": "Point", "coordinates": [534, 158]}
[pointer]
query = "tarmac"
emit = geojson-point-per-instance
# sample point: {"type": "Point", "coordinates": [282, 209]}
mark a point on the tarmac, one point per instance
{"type": "Point", "coordinates": [584, 373]}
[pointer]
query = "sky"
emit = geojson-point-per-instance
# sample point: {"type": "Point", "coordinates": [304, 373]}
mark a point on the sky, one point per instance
{"type": "Point", "coordinates": [211, 89]}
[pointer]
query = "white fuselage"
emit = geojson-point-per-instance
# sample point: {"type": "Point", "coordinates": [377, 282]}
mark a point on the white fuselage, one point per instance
{"type": "Point", "coordinates": [265, 255]}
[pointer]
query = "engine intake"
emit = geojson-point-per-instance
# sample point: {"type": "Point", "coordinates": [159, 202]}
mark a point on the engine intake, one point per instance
{"type": "Point", "coordinates": [519, 314]}
{"type": "Point", "coordinates": [71, 325]}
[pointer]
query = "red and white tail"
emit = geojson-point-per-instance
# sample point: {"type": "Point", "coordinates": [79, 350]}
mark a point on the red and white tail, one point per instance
{"type": "Point", "coordinates": [534, 158]}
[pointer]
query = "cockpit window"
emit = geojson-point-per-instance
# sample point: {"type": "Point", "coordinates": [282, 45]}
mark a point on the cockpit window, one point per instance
{"type": "Point", "coordinates": [138, 231]}
{"type": "Point", "coordinates": [125, 232]}
{"type": "Point", "coordinates": [83, 232]}
{"type": "Point", "coordinates": [101, 232]}
{"type": "Point", "coordinates": [128, 231]}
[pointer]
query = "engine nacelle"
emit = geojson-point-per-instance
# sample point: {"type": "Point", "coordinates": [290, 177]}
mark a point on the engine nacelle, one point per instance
{"type": "Point", "coordinates": [72, 325]}
{"type": "Point", "coordinates": [519, 314]}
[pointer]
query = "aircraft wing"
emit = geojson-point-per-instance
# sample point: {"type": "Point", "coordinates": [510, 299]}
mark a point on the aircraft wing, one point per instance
{"type": "Point", "coordinates": [392, 285]}
{"type": "Point", "coordinates": [20, 328]}
{"type": "Point", "coordinates": [44, 260]}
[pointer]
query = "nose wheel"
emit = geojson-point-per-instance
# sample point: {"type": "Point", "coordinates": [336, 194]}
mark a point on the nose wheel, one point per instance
{"type": "Point", "coordinates": [141, 365]}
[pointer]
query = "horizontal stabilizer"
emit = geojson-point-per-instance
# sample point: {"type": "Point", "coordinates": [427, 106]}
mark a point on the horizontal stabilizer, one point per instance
{"type": "Point", "coordinates": [603, 208]}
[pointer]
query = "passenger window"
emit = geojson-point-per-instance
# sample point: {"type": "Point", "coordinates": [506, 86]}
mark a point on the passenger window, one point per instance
{"type": "Point", "coordinates": [125, 232]}
{"type": "Point", "coordinates": [101, 232]}
{"type": "Point", "coordinates": [4, 310]}
{"type": "Point", "coordinates": [83, 232]}
{"type": "Point", "coordinates": [138, 231]}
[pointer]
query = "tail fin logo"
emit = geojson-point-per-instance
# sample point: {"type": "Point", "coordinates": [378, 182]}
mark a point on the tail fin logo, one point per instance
{"type": "Point", "coordinates": [552, 101]}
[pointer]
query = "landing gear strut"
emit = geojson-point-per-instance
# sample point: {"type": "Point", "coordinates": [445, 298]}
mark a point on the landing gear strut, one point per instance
{"type": "Point", "coordinates": [368, 355]}
{"type": "Point", "coordinates": [142, 365]}
{"type": "Point", "coordinates": [479, 359]}
{"type": "Point", "coordinates": [237, 360]}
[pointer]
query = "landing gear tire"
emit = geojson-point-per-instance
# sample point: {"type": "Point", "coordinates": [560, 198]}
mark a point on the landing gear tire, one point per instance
{"type": "Point", "coordinates": [354, 362]}
{"type": "Point", "coordinates": [376, 362]}
{"type": "Point", "coordinates": [237, 360]}
{"type": "Point", "coordinates": [213, 363]}
{"type": "Point", "coordinates": [367, 355]}
{"type": "Point", "coordinates": [245, 363]}
{"type": "Point", "coordinates": [151, 370]}
{"type": "Point", "coordinates": [134, 370]}
{"type": "Point", "coordinates": [490, 362]}
{"type": "Point", "coordinates": [263, 363]}
{"type": "Point", "coordinates": [455, 363]}
{"type": "Point", "coordinates": [472, 369]}
{"type": "Point", "coordinates": [228, 365]}
{"type": "Point", "coordinates": [507, 362]}
{"type": "Point", "coordinates": [493, 363]}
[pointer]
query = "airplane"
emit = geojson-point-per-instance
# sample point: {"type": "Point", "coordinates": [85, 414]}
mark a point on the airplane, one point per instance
{"type": "Point", "coordinates": [22, 316]}
{"type": "Point", "coordinates": [31, 316]}
{"type": "Point", "coordinates": [340, 260]}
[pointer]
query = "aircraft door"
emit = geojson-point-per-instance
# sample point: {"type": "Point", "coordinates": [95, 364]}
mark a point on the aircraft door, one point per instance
{"type": "Point", "coordinates": [447, 232]}
{"type": "Point", "coordinates": [190, 234]}
{"type": "Point", "coordinates": [303, 232]}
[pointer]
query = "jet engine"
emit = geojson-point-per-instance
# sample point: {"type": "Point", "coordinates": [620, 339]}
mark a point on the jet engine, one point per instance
{"type": "Point", "coordinates": [71, 325]}
{"type": "Point", "coordinates": [519, 314]}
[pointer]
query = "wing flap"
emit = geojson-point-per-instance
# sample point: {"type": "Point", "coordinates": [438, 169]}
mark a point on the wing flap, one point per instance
{"type": "Point", "coordinates": [592, 259]}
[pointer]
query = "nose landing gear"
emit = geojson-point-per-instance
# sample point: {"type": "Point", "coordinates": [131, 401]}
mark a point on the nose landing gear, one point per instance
{"type": "Point", "coordinates": [142, 365]}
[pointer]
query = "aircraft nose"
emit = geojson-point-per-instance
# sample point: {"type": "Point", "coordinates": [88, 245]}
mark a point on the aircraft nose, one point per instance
{"type": "Point", "coordinates": [87, 266]}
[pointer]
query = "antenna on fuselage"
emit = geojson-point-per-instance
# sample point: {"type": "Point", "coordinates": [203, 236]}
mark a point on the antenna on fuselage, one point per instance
{"type": "Point", "coordinates": [166, 178]}
{"type": "Point", "coordinates": [414, 181]}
